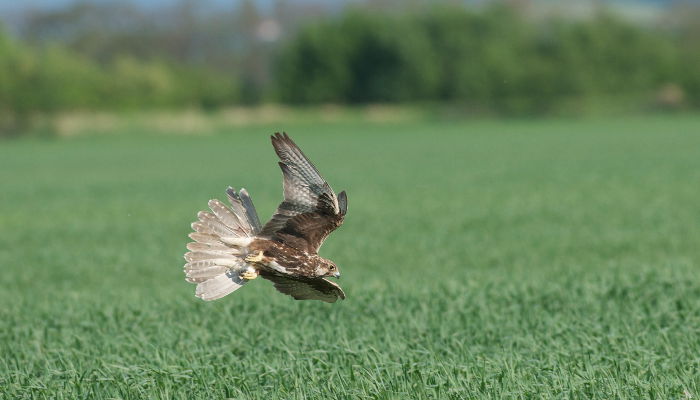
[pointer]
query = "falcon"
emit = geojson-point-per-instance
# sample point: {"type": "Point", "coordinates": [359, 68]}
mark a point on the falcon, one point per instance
{"type": "Point", "coordinates": [231, 247]}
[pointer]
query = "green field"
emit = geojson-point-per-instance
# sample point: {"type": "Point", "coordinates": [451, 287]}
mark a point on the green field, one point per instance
{"type": "Point", "coordinates": [484, 259]}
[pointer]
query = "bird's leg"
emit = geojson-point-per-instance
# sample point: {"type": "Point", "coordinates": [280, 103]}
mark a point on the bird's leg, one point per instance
{"type": "Point", "coordinates": [249, 274]}
{"type": "Point", "coordinates": [254, 258]}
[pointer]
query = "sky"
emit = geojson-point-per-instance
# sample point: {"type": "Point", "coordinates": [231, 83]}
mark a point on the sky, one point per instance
{"type": "Point", "coordinates": [20, 4]}
{"type": "Point", "coordinates": [43, 4]}
{"type": "Point", "coordinates": [12, 10]}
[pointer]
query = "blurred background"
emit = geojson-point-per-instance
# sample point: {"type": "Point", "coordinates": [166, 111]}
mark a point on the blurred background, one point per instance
{"type": "Point", "coordinates": [66, 66]}
{"type": "Point", "coordinates": [523, 182]}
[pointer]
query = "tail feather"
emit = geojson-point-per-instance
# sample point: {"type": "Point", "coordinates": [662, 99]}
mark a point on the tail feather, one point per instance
{"type": "Point", "coordinates": [243, 206]}
{"type": "Point", "coordinates": [218, 287]}
{"type": "Point", "coordinates": [197, 246]}
{"type": "Point", "coordinates": [231, 263]}
{"type": "Point", "coordinates": [216, 226]}
{"type": "Point", "coordinates": [210, 255]}
{"type": "Point", "coordinates": [204, 274]}
{"type": "Point", "coordinates": [207, 238]}
{"type": "Point", "coordinates": [221, 238]}
{"type": "Point", "coordinates": [202, 227]}
{"type": "Point", "coordinates": [227, 217]}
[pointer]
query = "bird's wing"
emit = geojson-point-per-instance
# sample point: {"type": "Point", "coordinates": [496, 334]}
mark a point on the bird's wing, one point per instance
{"type": "Point", "coordinates": [310, 210]}
{"type": "Point", "coordinates": [307, 289]}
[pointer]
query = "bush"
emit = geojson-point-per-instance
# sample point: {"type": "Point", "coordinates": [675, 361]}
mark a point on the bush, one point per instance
{"type": "Point", "coordinates": [44, 80]}
{"type": "Point", "coordinates": [493, 59]}
{"type": "Point", "coordinates": [361, 58]}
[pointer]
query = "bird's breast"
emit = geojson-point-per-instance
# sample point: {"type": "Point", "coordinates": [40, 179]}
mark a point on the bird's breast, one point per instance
{"type": "Point", "coordinates": [289, 261]}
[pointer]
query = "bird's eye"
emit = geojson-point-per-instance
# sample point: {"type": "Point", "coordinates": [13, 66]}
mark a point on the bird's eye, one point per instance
{"type": "Point", "coordinates": [332, 267]}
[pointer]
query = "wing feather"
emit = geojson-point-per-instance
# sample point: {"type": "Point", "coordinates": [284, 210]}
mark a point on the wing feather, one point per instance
{"type": "Point", "coordinates": [310, 210]}
{"type": "Point", "coordinates": [307, 289]}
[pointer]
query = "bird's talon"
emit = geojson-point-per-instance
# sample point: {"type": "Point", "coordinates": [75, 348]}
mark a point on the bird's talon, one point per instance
{"type": "Point", "coordinates": [249, 274]}
{"type": "Point", "coordinates": [255, 259]}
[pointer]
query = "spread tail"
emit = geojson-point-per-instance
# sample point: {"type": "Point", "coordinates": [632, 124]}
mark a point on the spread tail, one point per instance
{"type": "Point", "coordinates": [221, 238]}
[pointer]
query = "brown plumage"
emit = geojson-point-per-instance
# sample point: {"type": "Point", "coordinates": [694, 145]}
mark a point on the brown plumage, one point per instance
{"type": "Point", "coordinates": [232, 248]}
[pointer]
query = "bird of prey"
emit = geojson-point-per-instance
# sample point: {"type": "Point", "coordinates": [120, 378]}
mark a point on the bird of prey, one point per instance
{"type": "Point", "coordinates": [231, 247]}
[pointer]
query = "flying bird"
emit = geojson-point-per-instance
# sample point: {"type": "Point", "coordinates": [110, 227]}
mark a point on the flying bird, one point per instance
{"type": "Point", "coordinates": [231, 247]}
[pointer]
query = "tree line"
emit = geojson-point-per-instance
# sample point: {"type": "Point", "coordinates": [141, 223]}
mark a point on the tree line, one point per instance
{"type": "Point", "coordinates": [495, 60]}
{"type": "Point", "coordinates": [491, 59]}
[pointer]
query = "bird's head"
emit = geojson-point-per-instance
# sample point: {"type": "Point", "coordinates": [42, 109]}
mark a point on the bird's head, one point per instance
{"type": "Point", "coordinates": [327, 268]}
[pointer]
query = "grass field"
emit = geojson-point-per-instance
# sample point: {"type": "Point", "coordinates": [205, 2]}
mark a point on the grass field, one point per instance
{"type": "Point", "coordinates": [517, 259]}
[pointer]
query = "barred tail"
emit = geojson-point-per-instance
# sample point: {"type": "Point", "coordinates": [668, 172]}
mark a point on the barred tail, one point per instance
{"type": "Point", "coordinates": [221, 238]}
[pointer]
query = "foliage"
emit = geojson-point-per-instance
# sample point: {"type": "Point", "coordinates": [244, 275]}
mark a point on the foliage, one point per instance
{"type": "Point", "coordinates": [51, 78]}
{"type": "Point", "coordinates": [362, 58]}
{"type": "Point", "coordinates": [110, 56]}
{"type": "Point", "coordinates": [538, 259]}
{"type": "Point", "coordinates": [492, 59]}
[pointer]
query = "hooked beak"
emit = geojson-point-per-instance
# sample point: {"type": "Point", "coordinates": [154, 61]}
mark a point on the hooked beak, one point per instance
{"type": "Point", "coordinates": [337, 275]}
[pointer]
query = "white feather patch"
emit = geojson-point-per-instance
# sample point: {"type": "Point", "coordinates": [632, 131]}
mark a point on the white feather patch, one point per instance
{"type": "Point", "coordinates": [236, 241]}
{"type": "Point", "coordinates": [219, 286]}
{"type": "Point", "coordinates": [232, 263]}
{"type": "Point", "coordinates": [216, 226]}
{"type": "Point", "coordinates": [205, 238]}
{"type": "Point", "coordinates": [196, 246]}
{"type": "Point", "coordinates": [208, 255]}
{"type": "Point", "coordinates": [277, 267]}
{"type": "Point", "coordinates": [225, 215]}
{"type": "Point", "coordinates": [203, 274]}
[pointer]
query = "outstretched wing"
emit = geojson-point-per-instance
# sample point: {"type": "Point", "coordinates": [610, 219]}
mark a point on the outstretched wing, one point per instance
{"type": "Point", "coordinates": [310, 210]}
{"type": "Point", "coordinates": [307, 289]}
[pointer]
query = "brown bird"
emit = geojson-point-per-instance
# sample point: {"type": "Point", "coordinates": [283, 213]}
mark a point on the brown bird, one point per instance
{"type": "Point", "coordinates": [231, 248]}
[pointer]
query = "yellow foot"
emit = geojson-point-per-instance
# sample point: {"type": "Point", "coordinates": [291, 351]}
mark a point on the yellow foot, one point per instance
{"type": "Point", "coordinates": [249, 274]}
{"type": "Point", "coordinates": [254, 259]}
